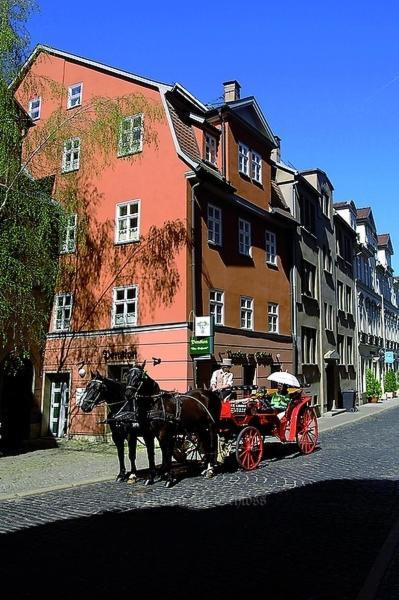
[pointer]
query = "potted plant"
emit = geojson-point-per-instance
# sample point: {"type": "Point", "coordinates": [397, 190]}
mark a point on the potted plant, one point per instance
{"type": "Point", "coordinates": [373, 387]}
{"type": "Point", "coordinates": [390, 383]}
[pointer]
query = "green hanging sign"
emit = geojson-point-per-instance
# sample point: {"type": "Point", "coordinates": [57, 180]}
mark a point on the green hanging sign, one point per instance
{"type": "Point", "coordinates": [199, 346]}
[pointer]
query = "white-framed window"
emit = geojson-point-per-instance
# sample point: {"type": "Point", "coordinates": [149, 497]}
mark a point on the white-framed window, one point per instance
{"type": "Point", "coordinates": [244, 237]}
{"type": "Point", "coordinates": [328, 317]}
{"type": "Point", "coordinates": [71, 155]}
{"type": "Point", "coordinates": [256, 166]}
{"type": "Point", "coordinates": [348, 299]}
{"type": "Point", "coordinates": [127, 222]}
{"type": "Point", "coordinates": [308, 346]}
{"type": "Point", "coordinates": [62, 312]}
{"type": "Point", "coordinates": [210, 148]}
{"type": "Point", "coordinates": [327, 260]}
{"type": "Point", "coordinates": [272, 317]}
{"type": "Point", "coordinates": [341, 349]}
{"type": "Point", "coordinates": [349, 351]}
{"type": "Point", "coordinates": [271, 248]}
{"type": "Point", "coordinates": [35, 105]}
{"type": "Point", "coordinates": [308, 279]}
{"type": "Point", "coordinates": [216, 306]}
{"type": "Point", "coordinates": [75, 95]}
{"type": "Point", "coordinates": [131, 135]}
{"type": "Point", "coordinates": [68, 240]}
{"type": "Point", "coordinates": [243, 159]}
{"type": "Point", "coordinates": [214, 225]}
{"type": "Point", "coordinates": [246, 312]}
{"type": "Point", "coordinates": [340, 295]}
{"type": "Point", "coordinates": [124, 306]}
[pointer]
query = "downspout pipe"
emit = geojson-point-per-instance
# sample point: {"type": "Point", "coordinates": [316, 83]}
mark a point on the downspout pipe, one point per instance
{"type": "Point", "coordinates": [193, 266]}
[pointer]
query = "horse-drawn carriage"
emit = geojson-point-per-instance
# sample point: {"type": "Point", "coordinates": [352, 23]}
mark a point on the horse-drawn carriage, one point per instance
{"type": "Point", "coordinates": [199, 424]}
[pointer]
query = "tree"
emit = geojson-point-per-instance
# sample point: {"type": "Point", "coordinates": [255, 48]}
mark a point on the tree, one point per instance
{"type": "Point", "coordinates": [390, 383]}
{"type": "Point", "coordinates": [373, 386]}
{"type": "Point", "coordinates": [29, 220]}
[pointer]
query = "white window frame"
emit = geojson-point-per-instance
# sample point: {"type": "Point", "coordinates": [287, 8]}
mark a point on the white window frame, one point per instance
{"type": "Point", "coordinates": [32, 111]}
{"type": "Point", "coordinates": [75, 100]}
{"type": "Point", "coordinates": [340, 296]}
{"type": "Point", "coordinates": [132, 233]}
{"type": "Point", "coordinates": [210, 152]}
{"type": "Point", "coordinates": [244, 237]}
{"type": "Point", "coordinates": [68, 240]}
{"type": "Point", "coordinates": [273, 317]}
{"type": "Point", "coordinates": [256, 166]}
{"type": "Point", "coordinates": [246, 312]}
{"type": "Point", "coordinates": [122, 319]}
{"type": "Point", "coordinates": [214, 225]}
{"type": "Point", "coordinates": [71, 156]}
{"type": "Point", "coordinates": [216, 306]}
{"type": "Point", "coordinates": [243, 159]}
{"type": "Point", "coordinates": [271, 247]}
{"type": "Point", "coordinates": [309, 345]}
{"type": "Point", "coordinates": [349, 350]}
{"type": "Point", "coordinates": [341, 348]}
{"type": "Point", "coordinates": [131, 145]}
{"type": "Point", "coordinates": [62, 311]}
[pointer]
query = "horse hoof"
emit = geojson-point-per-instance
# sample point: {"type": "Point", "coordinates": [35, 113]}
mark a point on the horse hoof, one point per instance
{"type": "Point", "coordinates": [170, 483]}
{"type": "Point", "coordinates": [120, 478]}
{"type": "Point", "coordinates": [148, 482]}
{"type": "Point", "coordinates": [132, 479]}
{"type": "Point", "coordinates": [208, 473]}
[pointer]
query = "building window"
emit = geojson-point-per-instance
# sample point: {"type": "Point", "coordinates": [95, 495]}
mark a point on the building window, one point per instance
{"type": "Point", "coordinates": [256, 166]}
{"type": "Point", "coordinates": [308, 279]}
{"type": "Point", "coordinates": [272, 318]}
{"type": "Point", "coordinates": [216, 306]}
{"type": "Point", "coordinates": [243, 159]}
{"type": "Point", "coordinates": [308, 214]}
{"type": "Point", "coordinates": [327, 260]}
{"type": "Point", "coordinates": [340, 293]}
{"type": "Point", "coordinates": [271, 248]}
{"type": "Point", "coordinates": [325, 204]}
{"type": "Point", "coordinates": [340, 347]}
{"type": "Point", "coordinates": [124, 309]}
{"type": "Point", "coordinates": [328, 317]}
{"type": "Point", "coordinates": [35, 106]}
{"type": "Point", "coordinates": [210, 148]}
{"type": "Point", "coordinates": [68, 241]}
{"type": "Point", "coordinates": [63, 310]}
{"type": "Point", "coordinates": [214, 225]}
{"type": "Point", "coordinates": [308, 346]}
{"type": "Point", "coordinates": [71, 155]}
{"type": "Point", "coordinates": [127, 222]}
{"type": "Point", "coordinates": [246, 312]}
{"type": "Point", "coordinates": [244, 237]}
{"type": "Point", "coordinates": [75, 95]}
{"type": "Point", "coordinates": [349, 308]}
{"type": "Point", "coordinates": [131, 135]}
{"type": "Point", "coordinates": [349, 351]}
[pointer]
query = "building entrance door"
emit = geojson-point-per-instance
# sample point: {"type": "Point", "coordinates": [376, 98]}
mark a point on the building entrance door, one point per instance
{"type": "Point", "coordinates": [331, 385]}
{"type": "Point", "coordinates": [59, 403]}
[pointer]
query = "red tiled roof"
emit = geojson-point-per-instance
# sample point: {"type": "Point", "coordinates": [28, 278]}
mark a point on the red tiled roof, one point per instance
{"type": "Point", "coordinates": [363, 213]}
{"type": "Point", "coordinates": [383, 239]}
{"type": "Point", "coordinates": [185, 135]}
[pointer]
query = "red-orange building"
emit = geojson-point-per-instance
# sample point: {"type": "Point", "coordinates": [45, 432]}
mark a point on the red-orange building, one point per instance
{"type": "Point", "coordinates": [208, 168]}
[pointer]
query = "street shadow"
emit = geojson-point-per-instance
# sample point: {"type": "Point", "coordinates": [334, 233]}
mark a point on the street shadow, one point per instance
{"type": "Point", "coordinates": [314, 542]}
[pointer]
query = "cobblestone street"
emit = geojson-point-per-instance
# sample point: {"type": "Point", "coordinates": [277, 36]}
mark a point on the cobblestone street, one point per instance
{"type": "Point", "coordinates": [302, 527]}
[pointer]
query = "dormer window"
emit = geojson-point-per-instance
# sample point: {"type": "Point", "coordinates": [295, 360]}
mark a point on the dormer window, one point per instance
{"type": "Point", "coordinates": [210, 148]}
{"type": "Point", "coordinates": [75, 95]}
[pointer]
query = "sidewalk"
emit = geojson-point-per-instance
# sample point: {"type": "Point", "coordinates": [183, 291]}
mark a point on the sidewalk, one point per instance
{"type": "Point", "coordinates": [73, 462]}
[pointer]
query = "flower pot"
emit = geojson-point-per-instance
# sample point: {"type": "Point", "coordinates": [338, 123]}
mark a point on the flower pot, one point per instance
{"type": "Point", "coordinates": [373, 399]}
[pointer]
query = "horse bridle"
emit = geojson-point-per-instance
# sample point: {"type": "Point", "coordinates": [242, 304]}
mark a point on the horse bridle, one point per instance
{"type": "Point", "coordinates": [98, 391]}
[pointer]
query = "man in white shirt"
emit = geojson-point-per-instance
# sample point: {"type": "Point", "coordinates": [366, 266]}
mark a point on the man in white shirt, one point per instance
{"type": "Point", "coordinates": [222, 378]}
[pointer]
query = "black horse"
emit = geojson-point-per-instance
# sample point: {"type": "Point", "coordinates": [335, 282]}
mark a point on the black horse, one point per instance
{"type": "Point", "coordinates": [102, 389]}
{"type": "Point", "coordinates": [171, 414]}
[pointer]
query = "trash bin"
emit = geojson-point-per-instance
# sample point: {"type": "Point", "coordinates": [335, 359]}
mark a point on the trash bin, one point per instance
{"type": "Point", "coordinates": [348, 400]}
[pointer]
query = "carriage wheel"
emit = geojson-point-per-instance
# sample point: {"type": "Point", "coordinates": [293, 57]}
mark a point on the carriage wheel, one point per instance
{"type": "Point", "coordinates": [307, 430]}
{"type": "Point", "coordinates": [249, 448]}
{"type": "Point", "coordinates": [186, 448]}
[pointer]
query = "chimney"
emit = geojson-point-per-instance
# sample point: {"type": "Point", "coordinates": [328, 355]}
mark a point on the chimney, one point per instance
{"type": "Point", "coordinates": [276, 152]}
{"type": "Point", "coordinates": [231, 90]}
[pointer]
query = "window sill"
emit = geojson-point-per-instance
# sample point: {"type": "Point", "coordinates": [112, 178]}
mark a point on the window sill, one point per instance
{"type": "Point", "coordinates": [69, 171]}
{"type": "Point", "coordinates": [123, 243]}
{"type": "Point", "coordinates": [274, 265]}
{"type": "Point", "coordinates": [126, 154]}
{"type": "Point", "coordinates": [214, 244]}
{"type": "Point", "coordinates": [74, 106]}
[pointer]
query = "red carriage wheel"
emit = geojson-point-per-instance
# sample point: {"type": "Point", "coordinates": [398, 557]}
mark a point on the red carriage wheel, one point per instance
{"type": "Point", "coordinates": [249, 448]}
{"type": "Point", "coordinates": [307, 432]}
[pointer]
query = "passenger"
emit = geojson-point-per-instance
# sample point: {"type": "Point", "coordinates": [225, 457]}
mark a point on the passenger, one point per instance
{"type": "Point", "coordinates": [222, 379]}
{"type": "Point", "coordinates": [280, 399]}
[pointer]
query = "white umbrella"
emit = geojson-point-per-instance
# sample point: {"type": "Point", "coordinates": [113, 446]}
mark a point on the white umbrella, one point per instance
{"type": "Point", "coordinates": [284, 377]}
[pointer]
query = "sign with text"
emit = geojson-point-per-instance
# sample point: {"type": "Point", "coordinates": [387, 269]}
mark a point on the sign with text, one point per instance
{"type": "Point", "coordinates": [199, 346]}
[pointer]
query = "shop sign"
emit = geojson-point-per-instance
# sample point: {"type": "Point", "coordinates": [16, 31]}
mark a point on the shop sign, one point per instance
{"type": "Point", "coordinates": [389, 357]}
{"type": "Point", "coordinates": [203, 327]}
{"type": "Point", "coordinates": [121, 355]}
{"type": "Point", "coordinates": [200, 346]}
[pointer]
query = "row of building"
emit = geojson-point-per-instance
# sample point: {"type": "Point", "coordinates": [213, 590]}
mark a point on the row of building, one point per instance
{"type": "Point", "coordinates": [292, 279]}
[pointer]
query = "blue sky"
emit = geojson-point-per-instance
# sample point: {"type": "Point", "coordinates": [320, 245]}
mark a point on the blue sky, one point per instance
{"type": "Point", "coordinates": [326, 74]}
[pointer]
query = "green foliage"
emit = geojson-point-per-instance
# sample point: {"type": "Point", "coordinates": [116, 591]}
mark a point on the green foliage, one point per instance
{"type": "Point", "coordinates": [373, 386]}
{"type": "Point", "coordinates": [390, 381]}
